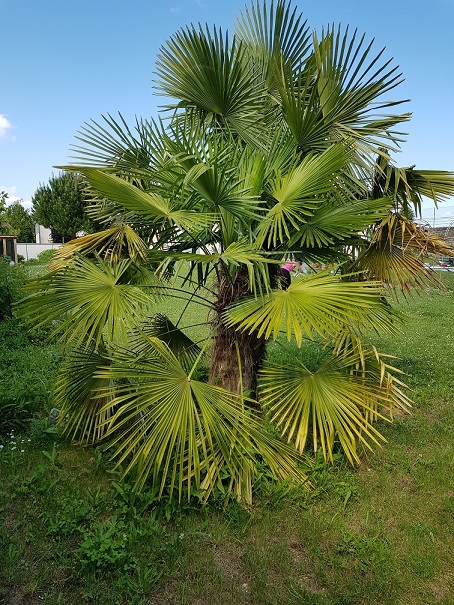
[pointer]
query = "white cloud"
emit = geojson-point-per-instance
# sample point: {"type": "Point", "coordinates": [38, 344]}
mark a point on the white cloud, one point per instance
{"type": "Point", "coordinates": [200, 3]}
{"type": "Point", "coordinates": [13, 197]}
{"type": "Point", "coordinates": [174, 9]}
{"type": "Point", "coordinates": [11, 191]}
{"type": "Point", "coordinates": [5, 125]}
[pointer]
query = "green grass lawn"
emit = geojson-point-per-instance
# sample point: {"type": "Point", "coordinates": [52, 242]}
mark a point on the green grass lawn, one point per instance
{"type": "Point", "coordinates": [72, 532]}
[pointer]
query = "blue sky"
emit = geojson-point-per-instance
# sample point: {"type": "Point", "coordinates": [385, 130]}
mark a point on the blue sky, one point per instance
{"type": "Point", "coordinates": [64, 63]}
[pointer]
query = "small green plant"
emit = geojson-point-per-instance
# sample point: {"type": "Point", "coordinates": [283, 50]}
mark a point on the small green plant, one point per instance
{"type": "Point", "coordinates": [138, 585]}
{"type": "Point", "coordinates": [42, 432]}
{"type": "Point", "coordinates": [104, 545]}
{"type": "Point", "coordinates": [52, 455]}
{"type": "Point", "coordinates": [36, 482]}
{"type": "Point", "coordinates": [73, 515]}
{"type": "Point", "coordinates": [129, 502]}
{"type": "Point", "coordinates": [10, 559]}
{"type": "Point", "coordinates": [12, 416]}
{"type": "Point", "coordinates": [368, 552]}
{"type": "Point", "coordinates": [43, 258]}
{"type": "Point", "coordinates": [46, 256]}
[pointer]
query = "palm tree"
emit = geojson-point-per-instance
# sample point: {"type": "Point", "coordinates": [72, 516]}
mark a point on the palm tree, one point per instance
{"type": "Point", "coordinates": [267, 150]}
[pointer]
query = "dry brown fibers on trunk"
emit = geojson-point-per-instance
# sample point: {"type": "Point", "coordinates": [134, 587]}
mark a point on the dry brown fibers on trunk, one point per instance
{"type": "Point", "coordinates": [228, 343]}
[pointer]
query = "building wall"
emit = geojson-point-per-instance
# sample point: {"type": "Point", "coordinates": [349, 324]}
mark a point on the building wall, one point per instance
{"type": "Point", "coordinates": [29, 251]}
{"type": "Point", "coordinates": [42, 235]}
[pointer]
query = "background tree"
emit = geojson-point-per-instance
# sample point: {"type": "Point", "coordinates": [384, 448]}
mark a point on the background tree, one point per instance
{"type": "Point", "coordinates": [60, 206]}
{"type": "Point", "coordinates": [269, 152]}
{"type": "Point", "coordinates": [5, 227]}
{"type": "Point", "coordinates": [21, 221]}
{"type": "Point", "coordinates": [3, 198]}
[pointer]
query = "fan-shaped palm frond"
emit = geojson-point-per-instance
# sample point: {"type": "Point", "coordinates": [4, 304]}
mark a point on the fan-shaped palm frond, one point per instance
{"type": "Point", "coordinates": [329, 403]}
{"type": "Point", "coordinates": [205, 70]}
{"type": "Point", "coordinates": [298, 192]}
{"type": "Point", "coordinates": [397, 251]}
{"type": "Point", "coordinates": [319, 304]}
{"type": "Point", "coordinates": [161, 327]}
{"type": "Point", "coordinates": [179, 431]}
{"type": "Point", "coordinates": [302, 111]}
{"type": "Point", "coordinates": [150, 205]}
{"type": "Point", "coordinates": [366, 363]}
{"type": "Point", "coordinates": [81, 416]}
{"type": "Point", "coordinates": [109, 244]}
{"type": "Point", "coordinates": [87, 300]}
{"type": "Point", "coordinates": [351, 81]}
{"type": "Point", "coordinates": [113, 143]}
{"type": "Point", "coordinates": [338, 220]}
{"type": "Point", "coordinates": [276, 35]}
{"type": "Point", "coordinates": [407, 187]}
{"type": "Point", "coordinates": [209, 160]}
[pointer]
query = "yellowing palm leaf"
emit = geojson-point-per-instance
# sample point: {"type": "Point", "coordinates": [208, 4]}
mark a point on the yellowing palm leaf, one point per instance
{"type": "Point", "coordinates": [408, 187]}
{"type": "Point", "coordinates": [396, 253]}
{"type": "Point", "coordinates": [321, 304]}
{"type": "Point", "coordinates": [366, 363]}
{"type": "Point", "coordinates": [108, 244]}
{"type": "Point", "coordinates": [328, 403]}
{"type": "Point", "coordinates": [179, 431]}
{"type": "Point", "coordinates": [90, 298]}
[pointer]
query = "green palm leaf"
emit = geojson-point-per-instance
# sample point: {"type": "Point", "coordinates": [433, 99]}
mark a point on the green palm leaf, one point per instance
{"type": "Point", "coordinates": [114, 143]}
{"type": "Point", "coordinates": [298, 192]}
{"type": "Point", "coordinates": [207, 71]}
{"type": "Point", "coordinates": [150, 205]}
{"type": "Point", "coordinates": [351, 82]}
{"type": "Point", "coordinates": [302, 111]}
{"type": "Point", "coordinates": [321, 303]}
{"type": "Point", "coordinates": [178, 431]}
{"type": "Point", "coordinates": [275, 35]}
{"type": "Point", "coordinates": [338, 401]}
{"type": "Point", "coordinates": [81, 413]}
{"type": "Point", "coordinates": [88, 300]}
{"type": "Point", "coordinates": [338, 220]}
{"type": "Point", "coordinates": [161, 327]}
{"type": "Point", "coordinates": [435, 184]}
{"type": "Point", "coordinates": [209, 160]}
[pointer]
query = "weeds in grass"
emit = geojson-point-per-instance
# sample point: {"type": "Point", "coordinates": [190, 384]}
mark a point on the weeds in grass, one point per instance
{"type": "Point", "coordinates": [104, 546]}
{"type": "Point", "coordinates": [27, 371]}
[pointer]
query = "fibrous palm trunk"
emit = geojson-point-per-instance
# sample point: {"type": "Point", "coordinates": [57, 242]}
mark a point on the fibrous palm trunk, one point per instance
{"type": "Point", "coordinates": [236, 356]}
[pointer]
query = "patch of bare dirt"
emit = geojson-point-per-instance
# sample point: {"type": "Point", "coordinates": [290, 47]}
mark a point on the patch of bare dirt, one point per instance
{"type": "Point", "coordinates": [307, 581]}
{"type": "Point", "coordinates": [16, 596]}
{"type": "Point", "coordinates": [442, 587]}
{"type": "Point", "coordinates": [228, 559]}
